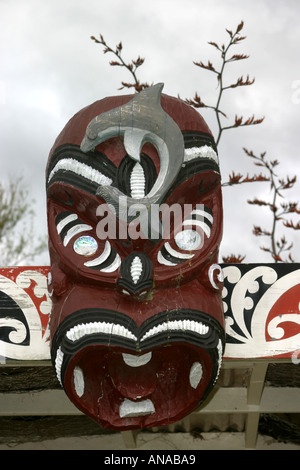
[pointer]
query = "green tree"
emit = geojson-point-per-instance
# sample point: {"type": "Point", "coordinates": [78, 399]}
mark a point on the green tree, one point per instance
{"type": "Point", "coordinates": [18, 245]}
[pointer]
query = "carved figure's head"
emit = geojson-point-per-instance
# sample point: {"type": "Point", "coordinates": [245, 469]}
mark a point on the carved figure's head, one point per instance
{"type": "Point", "coordinates": [135, 222]}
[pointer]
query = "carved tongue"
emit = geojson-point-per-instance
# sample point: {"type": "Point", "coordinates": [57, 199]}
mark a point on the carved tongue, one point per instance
{"type": "Point", "coordinates": [134, 376]}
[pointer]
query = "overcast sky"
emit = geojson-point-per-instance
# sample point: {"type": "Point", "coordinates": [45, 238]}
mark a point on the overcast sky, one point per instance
{"type": "Point", "coordinates": [50, 69]}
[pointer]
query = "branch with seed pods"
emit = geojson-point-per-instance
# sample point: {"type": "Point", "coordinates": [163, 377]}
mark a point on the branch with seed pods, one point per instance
{"type": "Point", "coordinates": [279, 213]}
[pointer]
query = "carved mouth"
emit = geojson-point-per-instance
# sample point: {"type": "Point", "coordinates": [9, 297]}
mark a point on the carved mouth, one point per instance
{"type": "Point", "coordinates": [130, 369]}
{"type": "Point", "coordinates": [105, 327]}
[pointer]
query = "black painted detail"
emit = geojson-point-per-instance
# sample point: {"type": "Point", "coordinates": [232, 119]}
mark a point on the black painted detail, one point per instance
{"type": "Point", "coordinates": [10, 310]}
{"type": "Point", "coordinates": [60, 217]}
{"type": "Point", "coordinates": [144, 339]}
{"type": "Point", "coordinates": [198, 139]}
{"type": "Point", "coordinates": [170, 257]}
{"type": "Point", "coordinates": [144, 282]}
{"type": "Point", "coordinates": [94, 160]}
{"type": "Point", "coordinates": [109, 260]}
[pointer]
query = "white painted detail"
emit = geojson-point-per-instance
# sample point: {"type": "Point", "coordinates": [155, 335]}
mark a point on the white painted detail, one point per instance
{"type": "Point", "coordinates": [200, 223]}
{"type": "Point", "coordinates": [78, 378]}
{"type": "Point", "coordinates": [196, 372]}
{"type": "Point", "coordinates": [212, 269]}
{"type": "Point", "coordinates": [85, 246]}
{"type": "Point", "coordinates": [162, 260]}
{"type": "Point", "coordinates": [66, 220]}
{"type": "Point", "coordinates": [249, 345]}
{"type": "Point", "coordinates": [254, 343]}
{"type": "Point", "coordinates": [113, 266]}
{"type": "Point", "coordinates": [275, 331]}
{"type": "Point", "coordinates": [136, 269]}
{"type": "Point", "coordinates": [58, 363]}
{"type": "Point", "coordinates": [70, 164]}
{"type": "Point", "coordinates": [177, 254]}
{"type": "Point", "coordinates": [220, 358]}
{"type": "Point", "coordinates": [202, 212]}
{"type": "Point", "coordinates": [100, 259]}
{"type": "Point", "coordinates": [137, 182]}
{"type": "Point", "coordinates": [191, 325]}
{"type": "Point", "coordinates": [130, 408]}
{"type": "Point", "coordinates": [38, 347]}
{"type": "Point", "coordinates": [137, 361]}
{"type": "Point", "coordinates": [200, 152]}
{"type": "Point", "coordinates": [79, 331]}
{"type": "Point", "coordinates": [74, 231]}
{"type": "Point", "coordinates": [188, 239]}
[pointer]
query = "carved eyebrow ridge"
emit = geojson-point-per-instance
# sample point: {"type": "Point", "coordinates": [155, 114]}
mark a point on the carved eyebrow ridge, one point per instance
{"type": "Point", "coordinates": [68, 225]}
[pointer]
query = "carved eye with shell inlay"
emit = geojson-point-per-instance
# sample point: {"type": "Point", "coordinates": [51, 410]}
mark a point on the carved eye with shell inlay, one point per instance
{"type": "Point", "coordinates": [190, 238]}
{"type": "Point", "coordinates": [68, 226]}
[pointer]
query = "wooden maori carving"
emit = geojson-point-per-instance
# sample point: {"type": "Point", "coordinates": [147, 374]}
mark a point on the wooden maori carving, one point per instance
{"type": "Point", "coordinates": [135, 222]}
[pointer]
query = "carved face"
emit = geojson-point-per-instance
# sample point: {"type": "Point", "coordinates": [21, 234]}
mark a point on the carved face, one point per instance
{"type": "Point", "coordinates": [135, 222]}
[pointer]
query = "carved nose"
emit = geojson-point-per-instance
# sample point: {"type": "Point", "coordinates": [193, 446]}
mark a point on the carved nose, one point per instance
{"type": "Point", "coordinates": [135, 275]}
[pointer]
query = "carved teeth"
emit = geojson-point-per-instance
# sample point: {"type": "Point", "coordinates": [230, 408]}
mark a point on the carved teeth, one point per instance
{"type": "Point", "coordinates": [79, 331]}
{"type": "Point", "coordinates": [130, 408]}
{"type": "Point", "coordinates": [137, 361]}
{"type": "Point", "coordinates": [113, 329]}
{"type": "Point", "coordinates": [190, 325]}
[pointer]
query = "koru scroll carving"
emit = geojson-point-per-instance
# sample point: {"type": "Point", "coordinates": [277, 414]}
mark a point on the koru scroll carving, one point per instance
{"type": "Point", "coordinates": [135, 221]}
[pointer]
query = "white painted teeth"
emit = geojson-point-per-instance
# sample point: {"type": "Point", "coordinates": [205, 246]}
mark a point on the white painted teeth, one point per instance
{"type": "Point", "coordinates": [130, 408]}
{"type": "Point", "coordinates": [183, 325]}
{"type": "Point", "coordinates": [137, 361]}
{"type": "Point", "coordinates": [79, 331]}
